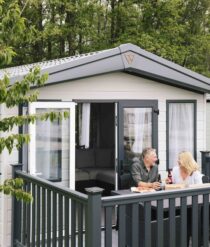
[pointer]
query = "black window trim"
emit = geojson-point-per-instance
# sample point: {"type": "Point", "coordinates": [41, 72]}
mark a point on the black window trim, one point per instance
{"type": "Point", "coordinates": [167, 127]}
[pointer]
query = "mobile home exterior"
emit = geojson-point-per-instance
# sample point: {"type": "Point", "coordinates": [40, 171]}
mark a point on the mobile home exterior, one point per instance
{"type": "Point", "coordinates": [208, 123]}
{"type": "Point", "coordinates": [120, 101]}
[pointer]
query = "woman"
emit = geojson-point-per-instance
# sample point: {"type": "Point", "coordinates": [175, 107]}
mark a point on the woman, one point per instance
{"type": "Point", "coordinates": [187, 172]}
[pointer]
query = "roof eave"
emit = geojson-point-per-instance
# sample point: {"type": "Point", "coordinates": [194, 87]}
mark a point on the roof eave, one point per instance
{"type": "Point", "coordinates": [131, 59]}
{"type": "Point", "coordinates": [167, 81]}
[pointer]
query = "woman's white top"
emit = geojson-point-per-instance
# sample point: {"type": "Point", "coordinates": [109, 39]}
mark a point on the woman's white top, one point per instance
{"type": "Point", "coordinates": [195, 178]}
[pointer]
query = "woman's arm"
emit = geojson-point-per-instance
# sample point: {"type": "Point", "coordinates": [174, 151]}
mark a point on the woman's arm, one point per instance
{"type": "Point", "coordinates": [175, 175]}
{"type": "Point", "coordinates": [197, 177]}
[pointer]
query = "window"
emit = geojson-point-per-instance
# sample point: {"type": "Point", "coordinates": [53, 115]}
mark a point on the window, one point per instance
{"type": "Point", "coordinates": [137, 129]}
{"type": "Point", "coordinates": [52, 141]}
{"type": "Point", "coordinates": [181, 129]}
{"type": "Point", "coordinates": [52, 145]}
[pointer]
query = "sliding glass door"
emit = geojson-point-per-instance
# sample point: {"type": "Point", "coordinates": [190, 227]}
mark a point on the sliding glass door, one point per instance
{"type": "Point", "coordinates": [138, 129]}
{"type": "Point", "coordinates": [52, 145]}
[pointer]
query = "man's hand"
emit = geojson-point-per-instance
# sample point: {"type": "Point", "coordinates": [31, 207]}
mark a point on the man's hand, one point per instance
{"type": "Point", "coordinates": [156, 185]}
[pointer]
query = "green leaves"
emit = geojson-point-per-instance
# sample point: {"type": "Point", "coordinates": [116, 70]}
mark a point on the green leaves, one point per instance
{"type": "Point", "coordinates": [17, 140]}
{"type": "Point", "coordinates": [52, 29]}
{"type": "Point", "coordinates": [12, 33]}
{"type": "Point", "coordinates": [6, 54]}
{"type": "Point", "coordinates": [14, 187]}
{"type": "Point", "coordinates": [12, 27]}
{"type": "Point", "coordinates": [13, 141]}
{"type": "Point", "coordinates": [18, 93]}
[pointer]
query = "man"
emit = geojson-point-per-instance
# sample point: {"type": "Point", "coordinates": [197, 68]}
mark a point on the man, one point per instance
{"type": "Point", "coordinates": [144, 172]}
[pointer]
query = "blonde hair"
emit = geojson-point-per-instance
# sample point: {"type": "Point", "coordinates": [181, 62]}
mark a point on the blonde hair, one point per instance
{"type": "Point", "coordinates": [187, 163]}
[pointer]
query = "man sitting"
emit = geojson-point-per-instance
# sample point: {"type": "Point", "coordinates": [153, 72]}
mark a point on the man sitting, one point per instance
{"type": "Point", "coordinates": [144, 171]}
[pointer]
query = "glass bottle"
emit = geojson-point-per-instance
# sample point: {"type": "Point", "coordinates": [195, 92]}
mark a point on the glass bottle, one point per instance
{"type": "Point", "coordinates": [170, 181]}
{"type": "Point", "coordinates": [160, 181]}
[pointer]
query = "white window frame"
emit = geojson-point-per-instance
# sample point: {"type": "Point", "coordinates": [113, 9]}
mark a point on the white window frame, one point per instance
{"type": "Point", "coordinates": [32, 131]}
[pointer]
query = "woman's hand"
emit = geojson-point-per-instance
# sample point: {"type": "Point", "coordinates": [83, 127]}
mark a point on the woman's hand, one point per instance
{"type": "Point", "coordinates": [167, 180]}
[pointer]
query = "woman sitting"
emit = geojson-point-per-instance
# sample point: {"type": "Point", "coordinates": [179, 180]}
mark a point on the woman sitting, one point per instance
{"type": "Point", "coordinates": [187, 172]}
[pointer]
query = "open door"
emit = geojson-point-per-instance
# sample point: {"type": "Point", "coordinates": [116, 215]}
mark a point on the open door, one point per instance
{"type": "Point", "coordinates": [138, 129]}
{"type": "Point", "coordinates": [116, 146]}
{"type": "Point", "coordinates": [52, 145]}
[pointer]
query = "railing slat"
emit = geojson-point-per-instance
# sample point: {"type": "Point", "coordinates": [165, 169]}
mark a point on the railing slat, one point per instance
{"type": "Point", "coordinates": [206, 222]}
{"type": "Point", "coordinates": [122, 227]}
{"type": "Point", "coordinates": [33, 218]}
{"type": "Point", "coordinates": [54, 205]}
{"type": "Point", "coordinates": [183, 221]}
{"type": "Point", "coordinates": [160, 233]}
{"type": "Point", "coordinates": [135, 225]}
{"type": "Point", "coordinates": [60, 219]}
{"type": "Point", "coordinates": [73, 224]}
{"type": "Point", "coordinates": [38, 217]}
{"type": "Point", "coordinates": [194, 221]}
{"type": "Point", "coordinates": [49, 218]}
{"type": "Point", "coordinates": [108, 226]}
{"type": "Point", "coordinates": [24, 213]}
{"type": "Point", "coordinates": [147, 227]}
{"type": "Point", "coordinates": [80, 224]}
{"type": "Point", "coordinates": [86, 225]}
{"type": "Point", "coordinates": [66, 221]}
{"type": "Point", "coordinates": [172, 223]}
{"type": "Point", "coordinates": [43, 216]}
{"type": "Point", "coordinates": [28, 224]}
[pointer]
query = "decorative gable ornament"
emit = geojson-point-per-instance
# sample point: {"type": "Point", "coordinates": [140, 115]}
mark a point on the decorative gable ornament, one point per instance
{"type": "Point", "coordinates": [129, 57]}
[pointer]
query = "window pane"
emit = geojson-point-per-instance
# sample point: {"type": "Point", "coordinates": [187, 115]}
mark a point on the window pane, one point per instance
{"type": "Point", "coordinates": [52, 148]}
{"type": "Point", "coordinates": [137, 132]}
{"type": "Point", "coordinates": [181, 130]}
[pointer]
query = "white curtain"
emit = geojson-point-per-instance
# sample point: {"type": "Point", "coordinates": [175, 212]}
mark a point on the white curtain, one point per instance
{"type": "Point", "coordinates": [84, 138]}
{"type": "Point", "coordinates": [139, 126]}
{"type": "Point", "coordinates": [181, 130]}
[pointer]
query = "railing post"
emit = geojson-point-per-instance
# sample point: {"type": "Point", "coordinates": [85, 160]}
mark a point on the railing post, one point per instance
{"type": "Point", "coordinates": [16, 210]}
{"type": "Point", "coordinates": [205, 158]}
{"type": "Point", "coordinates": [93, 217]}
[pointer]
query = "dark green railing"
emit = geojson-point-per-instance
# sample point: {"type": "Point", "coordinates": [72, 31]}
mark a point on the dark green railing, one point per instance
{"type": "Point", "coordinates": [62, 217]}
{"type": "Point", "coordinates": [164, 218]}
{"type": "Point", "coordinates": [57, 217]}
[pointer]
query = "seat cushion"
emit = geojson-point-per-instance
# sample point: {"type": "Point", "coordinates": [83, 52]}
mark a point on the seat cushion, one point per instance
{"type": "Point", "coordinates": [82, 175]}
{"type": "Point", "coordinates": [104, 158]}
{"type": "Point", "coordinates": [106, 175]}
{"type": "Point", "coordinates": [85, 158]}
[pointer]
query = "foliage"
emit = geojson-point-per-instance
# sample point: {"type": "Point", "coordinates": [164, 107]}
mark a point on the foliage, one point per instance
{"type": "Point", "coordinates": [177, 30]}
{"type": "Point", "coordinates": [14, 187]}
{"type": "Point", "coordinates": [12, 30]}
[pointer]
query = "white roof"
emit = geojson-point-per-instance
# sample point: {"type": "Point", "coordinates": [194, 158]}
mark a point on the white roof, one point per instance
{"type": "Point", "coordinates": [24, 69]}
